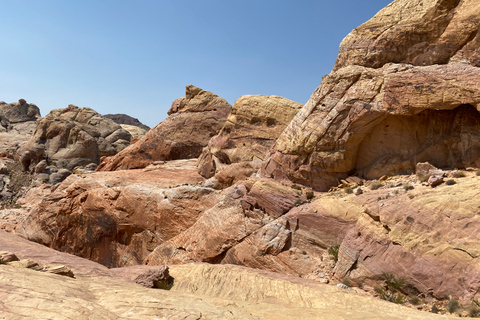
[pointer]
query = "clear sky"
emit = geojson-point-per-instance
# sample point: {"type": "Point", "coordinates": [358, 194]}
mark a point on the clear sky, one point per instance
{"type": "Point", "coordinates": [137, 56]}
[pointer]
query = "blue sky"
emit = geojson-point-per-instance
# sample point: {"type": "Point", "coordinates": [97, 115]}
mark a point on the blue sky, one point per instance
{"type": "Point", "coordinates": [135, 57]}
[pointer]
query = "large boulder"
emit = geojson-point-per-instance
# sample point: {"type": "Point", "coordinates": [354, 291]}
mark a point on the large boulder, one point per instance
{"type": "Point", "coordinates": [250, 131]}
{"type": "Point", "coordinates": [404, 90]}
{"type": "Point", "coordinates": [192, 121]}
{"type": "Point", "coordinates": [73, 137]}
{"type": "Point", "coordinates": [117, 218]}
{"type": "Point", "coordinates": [17, 124]}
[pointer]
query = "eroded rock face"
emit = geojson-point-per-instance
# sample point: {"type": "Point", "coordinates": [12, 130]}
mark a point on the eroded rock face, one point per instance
{"type": "Point", "coordinates": [199, 291]}
{"type": "Point", "coordinates": [249, 132]}
{"type": "Point", "coordinates": [120, 118]}
{"type": "Point", "coordinates": [17, 124]}
{"type": "Point", "coordinates": [73, 137]}
{"type": "Point", "coordinates": [417, 32]}
{"type": "Point", "coordinates": [117, 219]}
{"type": "Point", "coordinates": [384, 107]}
{"type": "Point", "coordinates": [192, 121]}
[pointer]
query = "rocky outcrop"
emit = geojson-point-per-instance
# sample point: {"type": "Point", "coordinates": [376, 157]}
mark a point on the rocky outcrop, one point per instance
{"type": "Point", "coordinates": [121, 118]}
{"type": "Point", "coordinates": [117, 219]}
{"type": "Point", "coordinates": [73, 137]}
{"type": "Point", "coordinates": [402, 91]}
{"type": "Point", "coordinates": [192, 121]}
{"type": "Point", "coordinates": [17, 124]}
{"type": "Point", "coordinates": [417, 32]}
{"type": "Point", "coordinates": [199, 291]}
{"type": "Point", "coordinates": [249, 132]}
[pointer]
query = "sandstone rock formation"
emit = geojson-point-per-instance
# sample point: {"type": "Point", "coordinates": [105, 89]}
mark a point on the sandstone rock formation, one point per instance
{"type": "Point", "coordinates": [17, 124]}
{"type": "Point", "coordinates": [113, 218]}
{"type": "Point", "coordinates": [192, 121]}
{"type": "Point", "coordinates": [249, 132]}
{"type": "Point", "coordinates": [120, 118]}
{"type": "Point", "coordinates": [402, 91]}
{"type": "Point", "coordinates": [73, 137]}
{"type": "Point", "coordinates": [199, 291]}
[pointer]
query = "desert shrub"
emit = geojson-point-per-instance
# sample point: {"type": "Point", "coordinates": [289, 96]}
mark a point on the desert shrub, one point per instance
{"type": "Point", "coordinates": [294, 186]}
{"type": "Point", "coordinates": [310, 195]}
{"type": "Point", "coordinates": [376, 185]}
{"type": "Point", "coordinates": [458, 174]}
{"type": "Point", "coordinates": [397, 298]}
{"type": "Point", "coordinates": [347, 282]}
{"type": "Point", "coordinates": [299, 202]}
{"type": "Point", "coordinates": [435, 309]}
{"type": "Point", "coordinates": [408, 187]}
{"type": "Point", "coordinates": [474, 311]}
{"type": "Point", "coordinates": [450, 182]}
{"type": "Point", "coordinates": [452, 306]}
{"type": "Point", "coordinates": [333, 252]}
{"type": "Point", "coordinates": [393, 283]}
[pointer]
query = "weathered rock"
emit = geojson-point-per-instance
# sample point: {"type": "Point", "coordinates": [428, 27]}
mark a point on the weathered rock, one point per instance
{"type": "Point", "coordinates": [422, 171]}
{"type": "Point", "coordinates": [249, 132]}
{"type": "Point", "coordinates": [435, 180]}
{"type": "Point", "coordinates": [59, 176]}
{"type": "Point", "coordinates": [237, 218]}
{"type": "Point", "coordinates": [120, 118]}
{"type": "Point", "coordinates": [117, 218]}
{"type": "Point", "coordinates": [59, 270]}
{"type": "Point", "coordinates": [192, 121]}
{"type": "Point", "coordinates": [136, 132]}
{"type": "Point", "coordinates": [417, 32]}
{"type": "Point", "coordinates": [156, 278]}
{"type": "Point", "coordinates": [200, 291]}
{"type": "Point", "coordinates": [6, 256]}
{"type": "Point", "coordinates": [17, 124]}
{"type": "Point", "coordinates": [402, 91]}
{"type": "Point", "coordinates": [41, 166]}
{"type": "Point", "coordinates": [73, 137]}
{"type": "Point", "coordinates": [25, 263]}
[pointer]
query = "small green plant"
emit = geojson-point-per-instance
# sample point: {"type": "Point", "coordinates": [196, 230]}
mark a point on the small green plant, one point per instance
{"type": "Point", "coordinates": [458, 174]}
{"type": "Point", "coordinates": [450, 182]}
{"type": "Point", "coordinates": [452, 306]}
{"type": "Point", "coordinates": [473, 311]}
{"type": "Point", "coordinates": [393, 283]}
{"type": "Point", "coordinates": [376, 185]}
{"type": "Point", "coordinates": [310, 195]}
{"type": "Point", "coordinates": [294, 186]}
{"type": "Point", "coordinates": [333, 252]}
{"type": "Point", "coordinates": [393, 286]}
{"type": "Point", "coordinates": [397, 298]}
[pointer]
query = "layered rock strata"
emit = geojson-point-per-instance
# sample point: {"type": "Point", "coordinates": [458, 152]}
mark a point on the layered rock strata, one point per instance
{"type": "Point", "coordinates": [199, 291]}
{"type": "Point", "coordinates": [402, 91]}
{"type": "Point", "coordinates": [192, 121]}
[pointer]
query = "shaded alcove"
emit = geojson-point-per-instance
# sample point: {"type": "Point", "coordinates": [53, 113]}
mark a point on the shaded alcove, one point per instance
{"type": "Point", "coordinates": [445, 138]}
